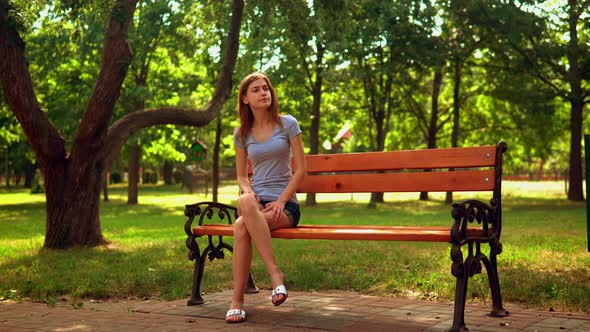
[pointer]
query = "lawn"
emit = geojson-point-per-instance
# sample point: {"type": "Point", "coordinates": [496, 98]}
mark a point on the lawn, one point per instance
{"type": "Point", "coordinates": [545, 263]}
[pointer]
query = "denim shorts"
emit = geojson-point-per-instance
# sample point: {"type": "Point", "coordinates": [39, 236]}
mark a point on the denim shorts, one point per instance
{"type": "Point", "coordinates": [291, 210]}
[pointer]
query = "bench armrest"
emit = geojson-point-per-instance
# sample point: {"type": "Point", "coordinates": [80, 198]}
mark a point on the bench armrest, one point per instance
{"type": "Point", "coordinates": [207, 210]}
{"type": "Point", "coordinates": [471, 211]}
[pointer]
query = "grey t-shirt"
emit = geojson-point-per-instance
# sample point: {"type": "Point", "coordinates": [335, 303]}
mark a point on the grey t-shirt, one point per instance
{"type": "Point", "coordinates": [271, 159]}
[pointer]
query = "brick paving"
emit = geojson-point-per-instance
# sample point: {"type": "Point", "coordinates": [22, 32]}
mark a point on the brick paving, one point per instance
{"type": "Point", "coordinates": [303, 311]}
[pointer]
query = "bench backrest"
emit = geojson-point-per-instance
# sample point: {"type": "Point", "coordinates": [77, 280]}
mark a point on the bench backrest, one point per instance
{"type": "Point", "coordinates": [450, 169]}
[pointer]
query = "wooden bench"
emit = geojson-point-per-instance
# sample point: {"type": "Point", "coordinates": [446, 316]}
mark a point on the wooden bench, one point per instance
{"type": "Point", "coordinates": [435, 170]}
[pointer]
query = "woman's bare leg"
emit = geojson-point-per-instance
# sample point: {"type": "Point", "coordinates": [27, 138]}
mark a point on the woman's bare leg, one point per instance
{"type": "Point", "coordinates": [283, 222]}
{"type": "Point", "coordinates": [242, 257]}
{"type": "Point", "coordinates": [259, 230]}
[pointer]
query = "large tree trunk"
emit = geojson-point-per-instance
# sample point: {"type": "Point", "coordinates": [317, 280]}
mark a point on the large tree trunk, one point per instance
{"type": "Point", "coordinates": [575, 192]}
{"type": "Point", "coordinates": [73, 181]}
{"type": "Point", "coordinates": [72, 191]}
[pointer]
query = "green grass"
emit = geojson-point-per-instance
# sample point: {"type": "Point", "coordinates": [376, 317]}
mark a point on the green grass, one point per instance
{"type": "Point", "coordinates": [545, 262]}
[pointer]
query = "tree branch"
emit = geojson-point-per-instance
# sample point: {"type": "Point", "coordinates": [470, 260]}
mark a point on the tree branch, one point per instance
{"type": "Point", "coordinates": [117, 55]}
{"type": "Point", "coordinates": [19, 94]}
{"type": "Point", "coordinates": [122, 129]}
{"type": "Point", "coordinates": [131, 123]}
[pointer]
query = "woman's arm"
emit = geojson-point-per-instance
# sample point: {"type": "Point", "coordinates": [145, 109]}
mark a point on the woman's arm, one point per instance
{"type": "Point", "coordinates": [242, 171]}
{"type": "Point", "coordinates": [299, 174]}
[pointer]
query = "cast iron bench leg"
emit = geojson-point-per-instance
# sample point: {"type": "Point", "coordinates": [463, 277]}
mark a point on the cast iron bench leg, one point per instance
{"type": "Point", "coordinates": [460, 271]}
{"type": "Point", "coordinates": [492, 268]}
{"type": "Point", "coordinates": [196, 298]}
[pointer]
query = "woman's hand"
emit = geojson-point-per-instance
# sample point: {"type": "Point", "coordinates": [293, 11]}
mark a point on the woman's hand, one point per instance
{"type": "Point", "coordinates": [276, 207]}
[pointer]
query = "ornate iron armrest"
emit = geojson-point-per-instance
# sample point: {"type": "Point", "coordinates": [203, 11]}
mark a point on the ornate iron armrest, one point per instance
{"type": "Point", "coordinates": [207, 210]}
{"type": "Point", "coordinates": [469, 211]}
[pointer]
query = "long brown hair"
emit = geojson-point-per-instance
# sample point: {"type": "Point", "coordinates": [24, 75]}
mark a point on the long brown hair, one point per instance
{"type": "Point", "coordinates": [244, 111]}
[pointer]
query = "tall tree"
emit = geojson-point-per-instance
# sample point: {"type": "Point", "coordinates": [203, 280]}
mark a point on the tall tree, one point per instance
{"type": "Point", "coordinates": [155, 21]}
{"type": "Point", "coordinates": [313, 31]}
{"type": "Point", "coordinates": [73, 179]}
{"type": "Point", "coordinates": [386, 39]}
{"type": "Point", "coordinates": [546, 41]}
{"type": "Point", "coordinates": [463, 43]}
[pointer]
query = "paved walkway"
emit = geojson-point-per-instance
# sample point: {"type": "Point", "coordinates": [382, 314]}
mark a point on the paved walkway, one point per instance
{"type": "Point", "coordinates": [325, 311]}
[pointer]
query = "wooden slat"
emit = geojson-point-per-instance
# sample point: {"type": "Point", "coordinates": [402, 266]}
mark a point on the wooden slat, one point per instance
{"type": "Point", "coordinates": [343, 232]}
{"type": "Point", "coordinates": [399, 182]}
{"type": "Point", "coordinates": [482, 156]}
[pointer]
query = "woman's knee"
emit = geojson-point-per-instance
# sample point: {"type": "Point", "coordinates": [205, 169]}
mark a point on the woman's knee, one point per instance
{"type": "Point", "coordinates": [248, 203]}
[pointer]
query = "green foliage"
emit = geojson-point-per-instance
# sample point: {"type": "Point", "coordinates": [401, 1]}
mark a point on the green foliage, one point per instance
{"type": "Point", "coordinates": [23, 13]}
{"type": "Point", "coordinates": [513, 56]}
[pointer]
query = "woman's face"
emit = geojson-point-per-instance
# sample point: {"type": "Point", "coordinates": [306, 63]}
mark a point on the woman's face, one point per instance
{"type": "Point", "coordinates": [258, 95]}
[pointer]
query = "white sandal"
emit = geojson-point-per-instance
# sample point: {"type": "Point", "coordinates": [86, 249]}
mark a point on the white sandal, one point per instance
{"type": "Point", "coordinates": [281, 289]}
{"type": "Point", "coordinates": [235, 312]}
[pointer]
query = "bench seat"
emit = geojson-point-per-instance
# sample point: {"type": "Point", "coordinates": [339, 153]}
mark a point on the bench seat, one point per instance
{"type": "Point", "coordinates": [351, 232]}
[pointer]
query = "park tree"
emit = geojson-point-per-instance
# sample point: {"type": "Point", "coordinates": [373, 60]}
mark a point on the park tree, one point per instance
{"type": "Point", "coordinates": [462, 42]}
{"type": "Point", "coordinates": [548, 42]}
{"type": "Point", "coordinates": [309, 47]}
{"type": "Point", "coordinates": [385, 40]}
{"type": "Point", "coordinates": [73, 176]}
{"type": "Point", "coordinates": [154, 34]}
{"type": "Point", "coordinates": [155, 21]}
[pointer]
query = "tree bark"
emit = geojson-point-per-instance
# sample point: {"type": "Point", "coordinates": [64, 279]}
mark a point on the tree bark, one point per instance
{"type": "Point", "coordinates": [314, 137]}
{"type": "Point", "coordinates": [105, 189]}
{"type": "Point", "coordinates": [7, 169]}
{"type": "Point", "coordinates": [168, 172]}
{"type": "Point", "coordinates": [133, 174]}
{"type": "Point", "coordinates": [30, 169]}
{"type": "Point", "coordinates": [575, 192]}
{"type": "Point", "coordinates": [216, 151]}
{"type": "Point", "coordinates": [456, 108]}
{"type": "Point", "coordinates": [433, 125]}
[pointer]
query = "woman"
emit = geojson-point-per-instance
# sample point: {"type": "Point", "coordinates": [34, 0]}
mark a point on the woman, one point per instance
{"type": "Point", "coordinates": [269, 201]}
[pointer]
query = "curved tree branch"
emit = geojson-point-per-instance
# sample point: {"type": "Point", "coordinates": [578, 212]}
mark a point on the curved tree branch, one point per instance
{"type": "Point", "coordinates": [135, 121]}
{"type": "Point", "coordinates": [122, 129]}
